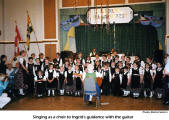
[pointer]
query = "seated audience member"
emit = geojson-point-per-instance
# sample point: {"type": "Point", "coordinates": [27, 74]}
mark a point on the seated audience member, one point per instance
{"type": "Point", "coordinates": [4, 99]}
{"type": "Point", "coordinates": [10, 72]}
{"type": "Point", "coordinates": [4, 62]}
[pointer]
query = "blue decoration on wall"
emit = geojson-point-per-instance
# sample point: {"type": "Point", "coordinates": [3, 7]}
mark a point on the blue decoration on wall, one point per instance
{"type": "Point", "coordinates": [151, 20]}
{"type": "Point", "coordinates": [72, 22]}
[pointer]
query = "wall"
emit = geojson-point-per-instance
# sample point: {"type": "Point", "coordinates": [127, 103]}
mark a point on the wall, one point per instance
{"type": "Point", "coordinates": [16, 10]}
{"type": "Point", "coordinates": [86, 3]}
{"type": "Point", "coordinates": [1, 19]}
{"type": "Point", "coordinates": [157, 8]}
{"type": "Point", "coordinates": [2, 48]}
{"type": "Point", "coordinates": [49, 19]}
{"type": "Point", "coordinates": [72, 3]}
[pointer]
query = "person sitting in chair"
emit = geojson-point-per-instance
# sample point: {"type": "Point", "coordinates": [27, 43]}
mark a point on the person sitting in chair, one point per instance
{"type": "Point", "coordinates": [4, 99]}
{"type": "Point", "coordinates": [91, 87]}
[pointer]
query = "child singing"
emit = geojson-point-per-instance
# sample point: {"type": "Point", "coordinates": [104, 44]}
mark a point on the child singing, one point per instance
{"type": "Point", "coordinates": [40, 85]}
{"type": "Point", "coordinates": [51, 75]}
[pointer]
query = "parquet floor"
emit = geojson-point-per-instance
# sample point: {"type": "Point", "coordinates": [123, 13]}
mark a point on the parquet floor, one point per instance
{"type": "Point", "coordinates": [76, 103]}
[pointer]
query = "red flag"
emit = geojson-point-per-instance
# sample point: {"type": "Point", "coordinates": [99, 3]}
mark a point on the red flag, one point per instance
{"type": "Point", "coordinates": [17, 40]}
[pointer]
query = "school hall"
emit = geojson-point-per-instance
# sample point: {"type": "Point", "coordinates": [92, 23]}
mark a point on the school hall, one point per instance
{"type": "Point", "coordinates": [84, 54]}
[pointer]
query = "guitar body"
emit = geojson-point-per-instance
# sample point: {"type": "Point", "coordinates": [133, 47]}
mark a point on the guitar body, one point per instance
{"type": "Point", "coordinates": [99, 81]}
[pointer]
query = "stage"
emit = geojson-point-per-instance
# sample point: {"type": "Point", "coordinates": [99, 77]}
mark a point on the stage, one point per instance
{"type": "Point", "coordinates": [76, 103]}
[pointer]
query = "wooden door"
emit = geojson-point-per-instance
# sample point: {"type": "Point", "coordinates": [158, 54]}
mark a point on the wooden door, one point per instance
{"type": "Point", "coordinates": [50, 51]}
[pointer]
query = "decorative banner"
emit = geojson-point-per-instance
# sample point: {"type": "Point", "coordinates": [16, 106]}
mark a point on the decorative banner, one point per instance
{"type": "Point", "coordinates": [71, 42]}
{"type": "Point", "coordinates": [116, 15]}
{"type": "Point", "coordinates": [17, 40]}
{"type": "Point", "coordinates": [151, 20]}
{"type": "Point", "coordinates": [29, 31]}
{"type": "Point", "coordinates": [72, 22]}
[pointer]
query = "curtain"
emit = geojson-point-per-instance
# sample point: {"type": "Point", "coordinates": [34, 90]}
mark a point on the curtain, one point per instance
{"type": "Point", "coordinates": [131, 39]}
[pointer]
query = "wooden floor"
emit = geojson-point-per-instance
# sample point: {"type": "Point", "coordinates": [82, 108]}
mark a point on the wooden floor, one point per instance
{"type": "Point", "coordinates": [76, 103]}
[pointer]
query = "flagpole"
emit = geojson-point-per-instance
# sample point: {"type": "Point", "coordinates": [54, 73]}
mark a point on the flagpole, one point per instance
{"type": "Point", "coordinates": [34, 32]}
{"type": "Point", "coordinates": [23, 45]}
{"type": "Point", "coordinates": [114, 34]}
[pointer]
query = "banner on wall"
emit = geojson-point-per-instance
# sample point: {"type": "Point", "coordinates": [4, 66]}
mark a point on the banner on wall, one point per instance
{"type": "Point", "coordinates": [110, 15]}
{"type": "Point", "coordinates": [72, 22]}
{"type": "Point", "coordinates": [71, 42]}
{"type": "Point", "coordinates": [151, 20]}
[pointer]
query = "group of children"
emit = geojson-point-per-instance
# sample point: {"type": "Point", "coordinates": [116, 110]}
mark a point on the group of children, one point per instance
{"type": "Point", "coordinates": [118, 76]}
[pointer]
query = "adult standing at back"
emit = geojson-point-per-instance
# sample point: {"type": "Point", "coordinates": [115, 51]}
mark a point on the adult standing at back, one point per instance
{"type": "Point", "coordinates": [166, 73]}
{"type": "Point", "coordinates": [93, 53]}
{"type": "Point", "coordinates": [57, 61]}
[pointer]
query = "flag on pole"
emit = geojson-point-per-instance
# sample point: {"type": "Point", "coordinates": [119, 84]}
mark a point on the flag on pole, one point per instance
{"type": "Point", "coordinates": [17, 40]}
{"type": "Point", "coordinates": [29, 31]}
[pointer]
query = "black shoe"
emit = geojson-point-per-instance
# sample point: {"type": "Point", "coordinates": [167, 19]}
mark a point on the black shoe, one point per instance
{"type": "Point", "coordinates": [90, 102]}
{"type": "Point", "coordinates": [166, 102]}
{"type": "Point", "coordinates": [23, 94]}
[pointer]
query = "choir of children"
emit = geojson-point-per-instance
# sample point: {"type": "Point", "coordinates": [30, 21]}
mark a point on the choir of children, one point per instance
{"type": "Point", "coordinates": [117, 76]}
